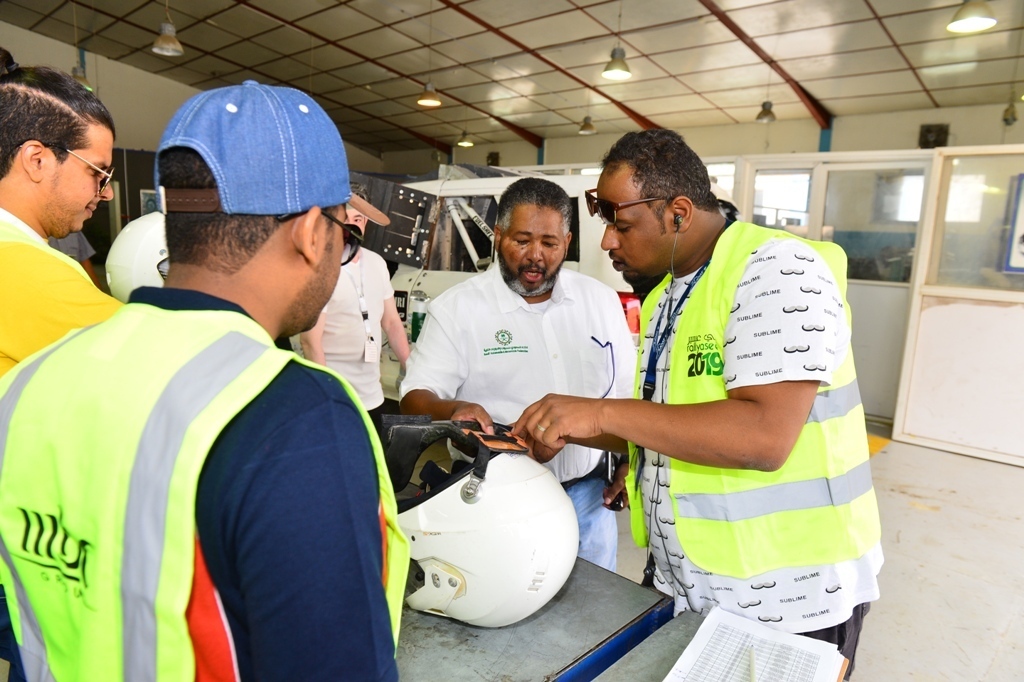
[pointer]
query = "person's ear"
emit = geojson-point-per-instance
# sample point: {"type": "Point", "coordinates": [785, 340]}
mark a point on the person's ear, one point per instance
{"type": "Point", "coordinates": [568, 240]}
{"type": "Point", "coordinates": [681, 209]}
{"type": "Point", "coordinates": [309, 234]}
{"type": "Point", "coordinates": [33, 158]}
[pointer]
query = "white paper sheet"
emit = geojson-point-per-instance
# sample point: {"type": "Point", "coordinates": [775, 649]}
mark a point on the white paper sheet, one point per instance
{"type": "Point", "coordinates": [720, 652]}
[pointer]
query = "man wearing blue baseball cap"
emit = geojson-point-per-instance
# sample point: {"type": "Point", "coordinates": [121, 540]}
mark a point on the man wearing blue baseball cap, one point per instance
{"type": "Point", "coordinates": [203, 505]}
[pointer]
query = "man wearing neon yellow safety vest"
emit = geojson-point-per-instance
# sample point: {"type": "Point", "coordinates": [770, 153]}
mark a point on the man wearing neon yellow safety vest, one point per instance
{"type": "Point", "coordinates": [204, 506]}
{"type": "Point", "coordinates": [746, 435]}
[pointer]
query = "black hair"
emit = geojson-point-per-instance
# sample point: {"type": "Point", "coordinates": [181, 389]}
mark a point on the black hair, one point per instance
{"type": "Point", "coordinates": [663, 167]}
{"type": "Point", "coordinates": [360, 191]}
{"type": "Point", "coordinates": [534, 192]}
{"type": "Point", "coordinates": [40, 103]}
{"type": "Point", "coordinates": [217, 241]}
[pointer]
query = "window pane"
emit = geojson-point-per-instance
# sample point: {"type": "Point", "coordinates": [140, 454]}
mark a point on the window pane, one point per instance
{"type": "Point", "coordinates": [873, 214]}
{"type": "Point", "coordinates": [974, 234]}
{"type": "Point", "coordinates": [723, 174]}
{"type": "Point", "coordinates": [781, 199]}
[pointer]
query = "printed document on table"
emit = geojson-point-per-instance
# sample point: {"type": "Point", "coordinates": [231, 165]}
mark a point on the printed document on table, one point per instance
{"type": "Point", "coordinates": [720, 652]}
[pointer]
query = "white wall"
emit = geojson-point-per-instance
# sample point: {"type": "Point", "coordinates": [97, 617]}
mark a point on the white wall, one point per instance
{"type": "Point", "coordinates": [413, 162]}
{"type": "Point", "coordinates": [362, 160]}
{"type": "Point", "coordinates": [981, 124]}
{"type": "Point", "coordinates": [518, 153]}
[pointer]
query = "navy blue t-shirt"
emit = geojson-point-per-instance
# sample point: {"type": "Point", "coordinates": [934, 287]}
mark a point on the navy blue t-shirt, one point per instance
{"type": "Point", "coordinates": [287, 516]}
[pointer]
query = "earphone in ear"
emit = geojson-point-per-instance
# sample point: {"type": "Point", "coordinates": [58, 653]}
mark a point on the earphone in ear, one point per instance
{"type": "Point", "coordinates": [678, 220]}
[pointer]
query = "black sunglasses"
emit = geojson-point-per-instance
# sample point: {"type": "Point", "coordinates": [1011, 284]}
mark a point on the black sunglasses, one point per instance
{"type": "Point", "coordinates": [607, 209]}
{"type": "Point", "coordinates": [351, 238]}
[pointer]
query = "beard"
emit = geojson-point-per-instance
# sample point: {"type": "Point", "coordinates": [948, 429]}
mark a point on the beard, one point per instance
{"type": "Point", "coordinates": [315, 295]}
{"type": "Point", "coordinates": [515, 284]}
{"type": "Point", "coordinates": [60, 216]}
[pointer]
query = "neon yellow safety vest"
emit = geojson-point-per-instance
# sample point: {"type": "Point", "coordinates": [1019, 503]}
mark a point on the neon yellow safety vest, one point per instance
{"type": "Point", "coordinates": [102, 439]}
{"type": "Point", "coordinates": [10, 233]}
{"type": "Point", "coordinates": [819, 507]}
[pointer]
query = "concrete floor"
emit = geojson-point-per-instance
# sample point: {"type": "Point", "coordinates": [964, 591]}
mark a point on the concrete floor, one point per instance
{"type": "Point", "coordinates": [952, 605]}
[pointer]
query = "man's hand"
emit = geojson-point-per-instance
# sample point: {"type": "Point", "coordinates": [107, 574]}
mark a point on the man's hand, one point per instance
{"type": "Point", "coordinates": [554, 419]}
{"type": "Point", "coordinates": [618, 486]}
{"type": "Point", "coordinates": [538, 451]}
{"type": "Point", "coordinates": [471, 412]}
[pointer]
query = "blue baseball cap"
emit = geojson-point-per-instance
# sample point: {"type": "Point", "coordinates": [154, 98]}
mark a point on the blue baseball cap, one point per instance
{"type": "Point", "coordinates": [272, 150]}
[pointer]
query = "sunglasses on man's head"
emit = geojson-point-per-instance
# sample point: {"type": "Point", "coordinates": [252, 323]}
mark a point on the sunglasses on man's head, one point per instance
{"type": "Point", "coordinates": [607, 209]}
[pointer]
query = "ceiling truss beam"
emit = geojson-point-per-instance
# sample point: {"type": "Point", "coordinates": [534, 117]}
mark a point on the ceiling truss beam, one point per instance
{"type": "Point", "coordinates": [637, 118]}
{"type": "Point", "coordinates": [822, 116]}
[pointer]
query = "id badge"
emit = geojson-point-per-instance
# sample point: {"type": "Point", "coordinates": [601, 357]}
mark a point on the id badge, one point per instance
{"type": "Point", "coordinates": [370, 353]}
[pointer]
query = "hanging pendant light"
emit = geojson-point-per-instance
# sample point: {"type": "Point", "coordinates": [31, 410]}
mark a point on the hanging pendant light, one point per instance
{"type": "Point", "coordinates": [766, 115]}
{"type": "Point", "coordinates": [1010, 114]}
{"type": "Point", "coordinates": [617, 69]}
{"type": "Point", "coordinates": [429, 98]}
{"type": "Point", "coordinates": [78, 70]}
{"type": "Point", "coordinates": [464, 141]}
{"type": "Point", "coordinates": [167, 43]}
{"type": "Point", "coordinates": [973, 16]}
{"type": "Point", "coordinates": [588, 127]}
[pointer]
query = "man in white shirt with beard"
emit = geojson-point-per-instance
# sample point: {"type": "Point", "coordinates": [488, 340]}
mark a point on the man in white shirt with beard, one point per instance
{"type": "Point", "coordinates": [495, 343]}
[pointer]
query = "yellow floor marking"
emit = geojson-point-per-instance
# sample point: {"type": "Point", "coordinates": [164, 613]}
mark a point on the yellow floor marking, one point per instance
{"type": "Point", "coordinates": [876, 443]}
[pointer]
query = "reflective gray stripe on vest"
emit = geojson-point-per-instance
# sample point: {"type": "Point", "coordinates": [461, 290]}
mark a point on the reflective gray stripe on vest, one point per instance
{"type": "Point", "coordinates": [750, 504]}
{"type": "Point", "coordinates": [189, 392]}
{"type": "Point", "coordinates": [837, 402]}
{"type": "Point", "coordinates": [32, 647]}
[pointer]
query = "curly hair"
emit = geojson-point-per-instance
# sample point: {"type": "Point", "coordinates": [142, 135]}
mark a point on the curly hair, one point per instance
{"type": "Point", "coordinates": [534, 192]}
{"type": "Point", "coordinates": [663, 166]}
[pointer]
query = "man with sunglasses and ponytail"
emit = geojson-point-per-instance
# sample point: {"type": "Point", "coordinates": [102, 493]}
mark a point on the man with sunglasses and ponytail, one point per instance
{"type": "Point", "coordinates": [347, 336]}
{"type": "Point", "coordinates": [749, 470]}
{"type": "Point", "coordinates": [202, 505]}
{"type": "Point", "coordinates": [56, 147]}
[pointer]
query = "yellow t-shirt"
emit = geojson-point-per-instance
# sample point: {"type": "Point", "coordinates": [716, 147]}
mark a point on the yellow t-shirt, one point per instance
{"type": "Point", "coordinates": [43, 296]}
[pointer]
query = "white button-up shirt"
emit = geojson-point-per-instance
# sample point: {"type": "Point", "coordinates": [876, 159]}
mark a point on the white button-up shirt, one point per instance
{"type": "Point", "coordinates": [483, 343]}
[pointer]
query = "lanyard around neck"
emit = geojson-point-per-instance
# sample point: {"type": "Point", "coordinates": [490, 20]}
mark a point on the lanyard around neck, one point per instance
{"type": "Point", "coordinates": [660, 339]}
{"type": "Point", "coordinates": [360, 289]}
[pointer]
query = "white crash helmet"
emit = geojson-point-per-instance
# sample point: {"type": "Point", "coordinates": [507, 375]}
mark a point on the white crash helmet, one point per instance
{"type": "Point", "coordinates": [491, 549]}
{"type": "Point", "coordinates": [725, 203]}
{"type": "Point", "coordinates": [136, 255]}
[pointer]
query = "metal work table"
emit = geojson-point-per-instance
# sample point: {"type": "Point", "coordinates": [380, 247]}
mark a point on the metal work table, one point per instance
{"type": "Point", "coordinates": [653, 658]}
{"type": "Point", "coordinates": [589, 624]}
